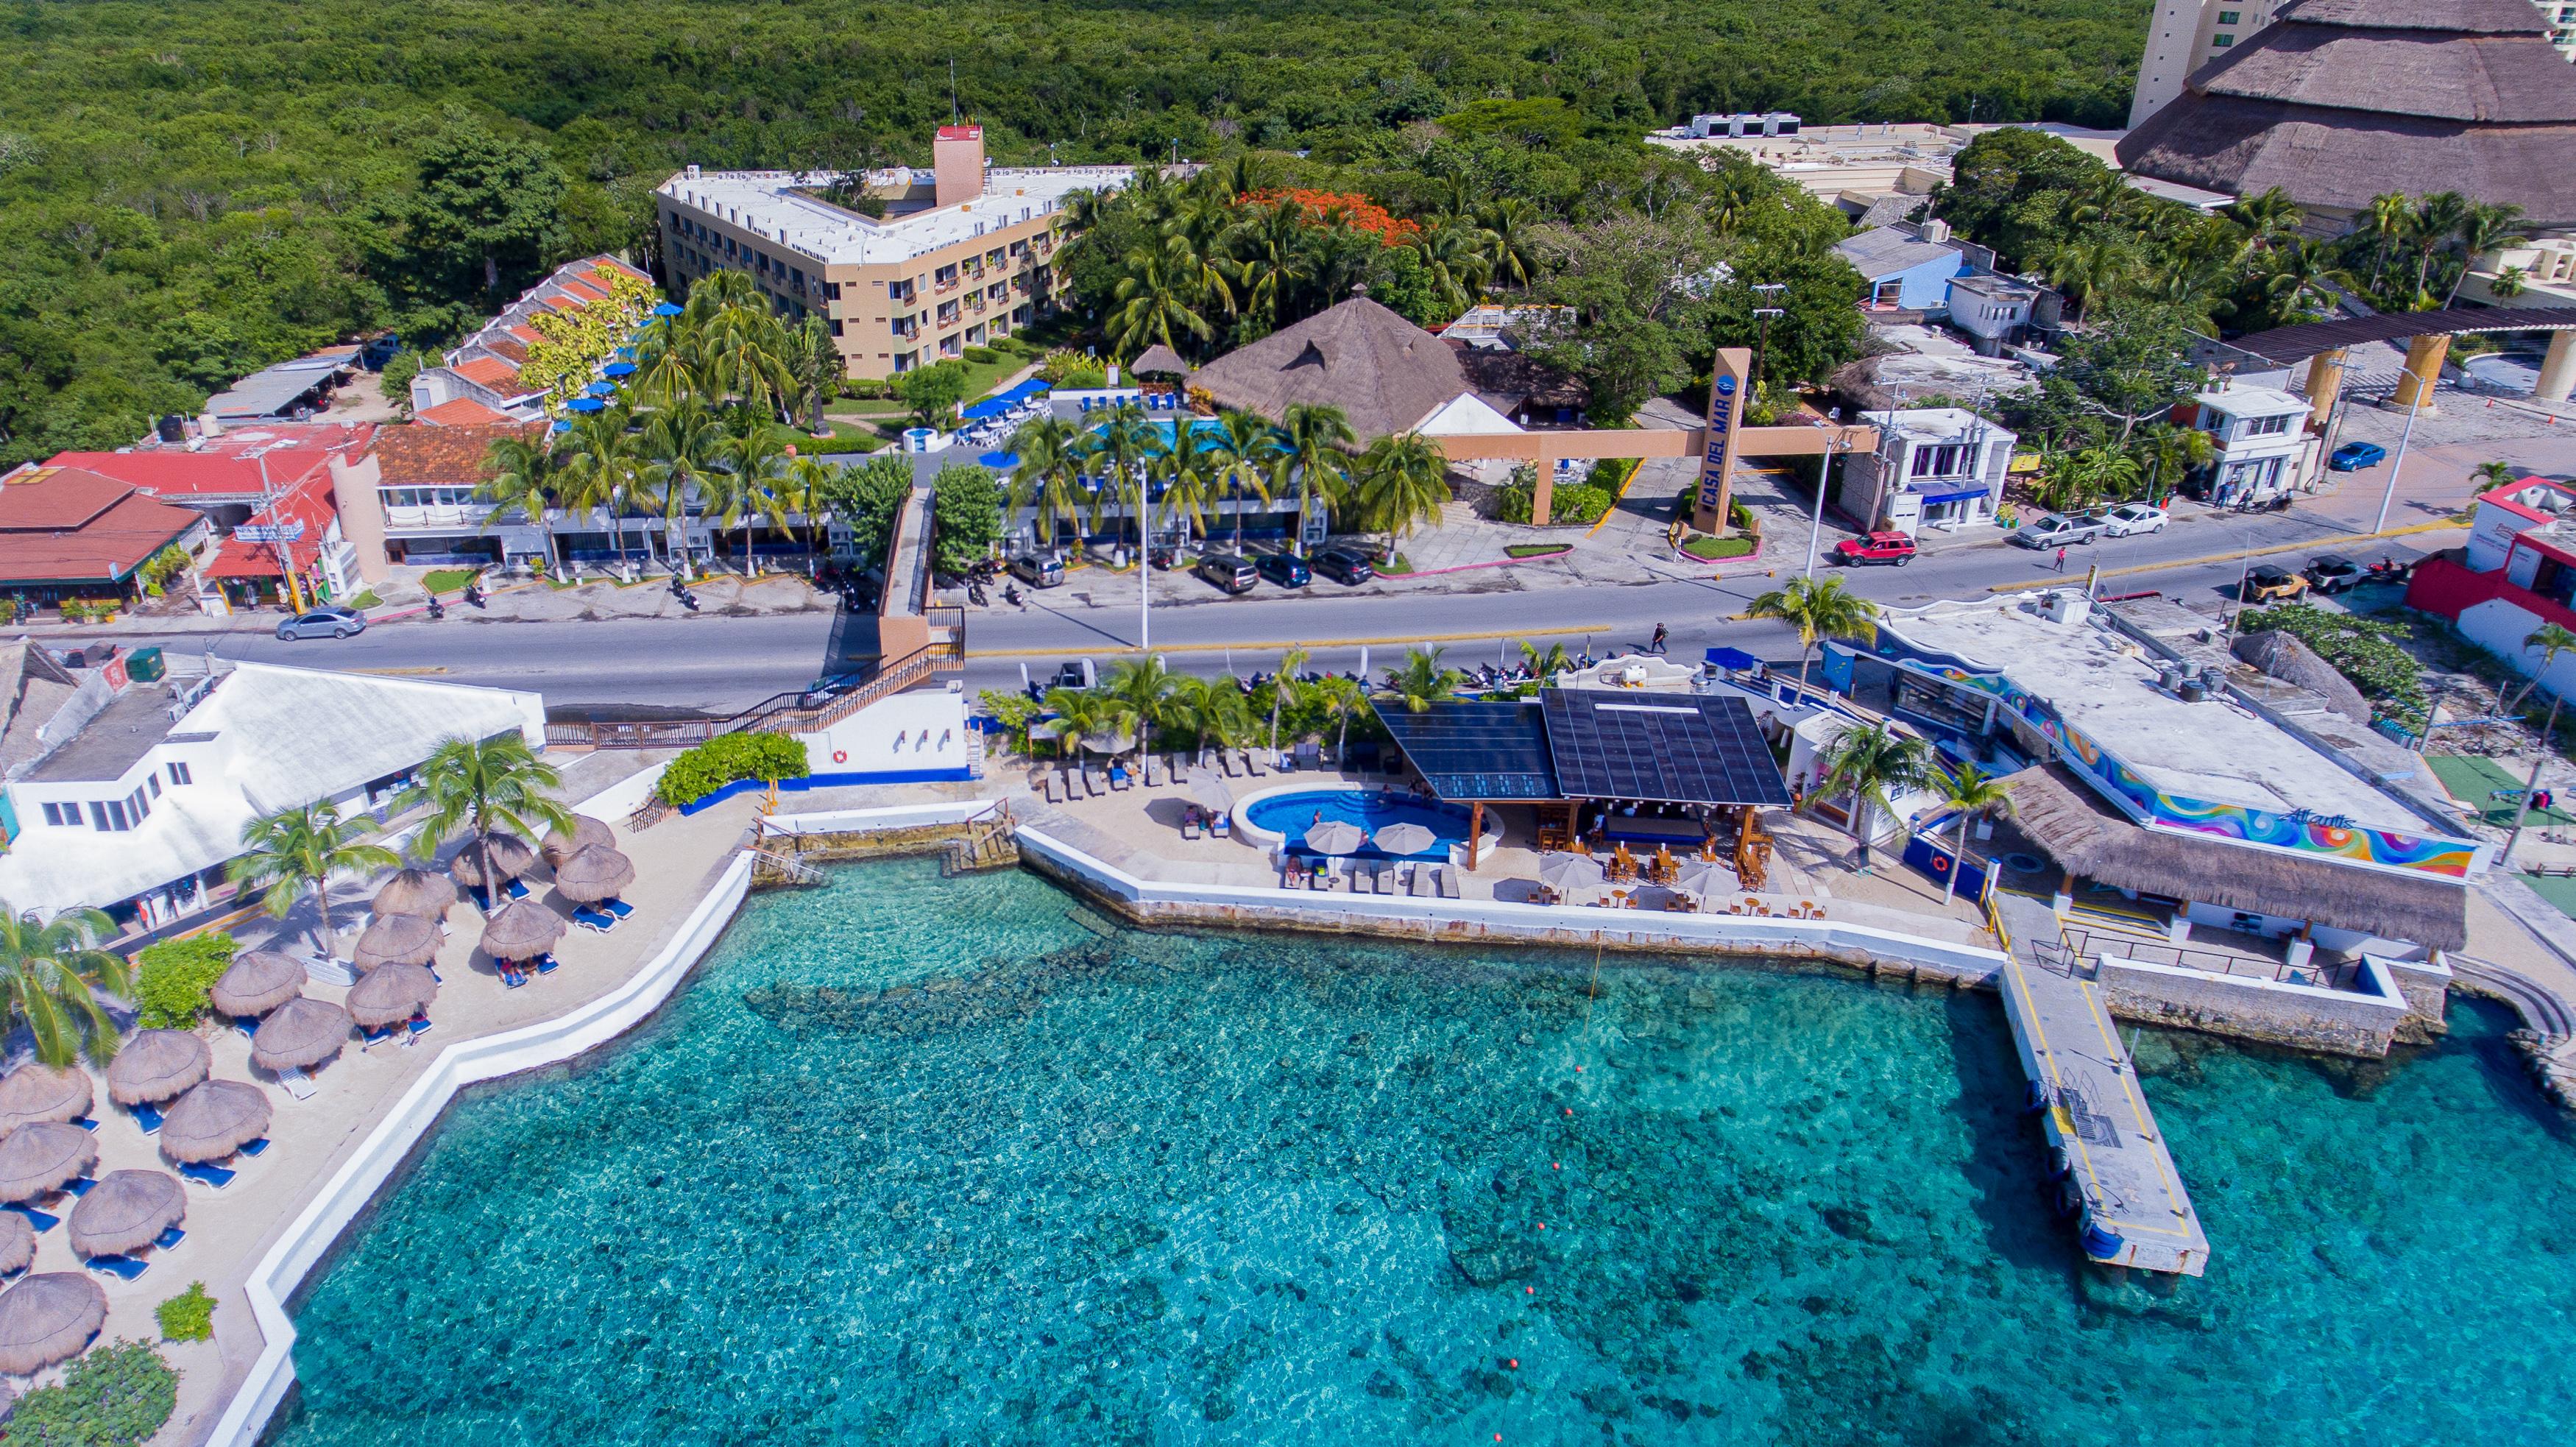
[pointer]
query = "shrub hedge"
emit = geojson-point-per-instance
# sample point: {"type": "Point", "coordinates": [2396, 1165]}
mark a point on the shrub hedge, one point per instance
{"type": "Point", "coordinates": [112, 1397]}
{"type": "Point", "coordinates": [189, 1316]}
{"type": "Point", "coordinates": [172, 979]}
{"type": "Point", "coordinates": [727, 757]}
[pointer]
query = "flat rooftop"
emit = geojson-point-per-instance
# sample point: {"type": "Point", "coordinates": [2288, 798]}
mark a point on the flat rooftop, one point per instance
{"type": "Point", "coordinates": [2103, 683]}
{"type": "Point", "coordinates": [771, 204]}
{"type": "Point", "coordinates": [111, 743]}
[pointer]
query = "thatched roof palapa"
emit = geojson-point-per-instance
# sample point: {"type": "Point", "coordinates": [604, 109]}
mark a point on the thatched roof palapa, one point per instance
{"type": "Point", "coordinates": [586, 831]}
{"type": "Point", "coordinates": [1386, 374]}
{"type": "Point", "coordinates": [258, 981]}
{"type": "Point", "coordinates": [156, 1065]}
{"type": "Point", "coordinates": [405, 939]}
{"type": "Point", "coordinates": [511, 857]}
{"type": "Point", "coordinates": [47, 1318]}
{"type": "Point", "coordinates": [594, 874]}
{"type": "Point", "coordinates": [38, 1158]}
{"type": "Point", "coordinates": [41, 1092]}
{"type": "Point", "coordinates": [213, 1120]}
{"type": "Point", "coordinates": [416, 891]}
{"type": "Point", "coordinates": [1159, 361]}
{"type": "Point", "coordinates": [392, 993]}
{"type": "Point", "coordinates": [2062, 814]}
{"type": "Point", "coordinates": [300, 1033]}
{"type": "Point", "coordinates": [521, 930]}
{"type": "Point", "coordinates": [125, 1211]}
{"type": "Point", "coordinates": [17, 1242]}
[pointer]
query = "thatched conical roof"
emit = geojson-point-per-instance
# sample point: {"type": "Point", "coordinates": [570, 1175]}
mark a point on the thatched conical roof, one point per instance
{"type": "Point", "coordinates": [41, 1092]}
{"type": "Point", "coordinates": [156, 1065]}
{"type": "Point", "coordinates": [511, 856]}
{"type": "Point", "coordinates": [38, 1158]}
{"type": "Point", "coordinates": [213, 1120]}
{"type": "Point", "coordinates": [125, 1211]}
{"type": "Point", "coordinates": [416, 891]}
{"type": "Point", "coordinates": [258, 982]}
{"type": "Point", "coordinates": [586, 831]}
{"type": "Point", "coordinates": [1386, 374]}
{"type": "Point", "coordinates": [594, 874]}
{"type": "Point", "coordinates": [47, 1318]}
{"type": "Point", "coordinates": [409, 939]}
{"type": "Point", "coordinates": [17, 1243]}
{"type": "Point", "coordinates": [300, 1033]}
{"type": "Point", "coordinates": [521, 930]}
{"type": "Point", "coordinates": [391, 993]}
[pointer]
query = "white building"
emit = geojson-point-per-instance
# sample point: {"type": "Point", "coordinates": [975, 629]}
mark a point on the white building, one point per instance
{"type": "Point", "coordinates": [1935, 467]}
{"type": "Point", "coordinates": [132, 796]}
{"type": "Point", "coordinates": [1993, 310]}
{"type": "Point", "coordinates": [2260, 443]}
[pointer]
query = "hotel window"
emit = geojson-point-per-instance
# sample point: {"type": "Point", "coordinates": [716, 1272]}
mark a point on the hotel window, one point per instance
{"type": "Point", "coordinates": [108, 818]}
{"type": "Point", "coordinates": [2221, 42]}
{"type": "Point", "coordinates": [2267, 426]}
{"type": "Point", "coordinates": [836, 326]}
{"type": "Point", "coordinates": [62, 814]}
{"type": "Point", "coordinates": [2227, 17]}
{"type": "Point", "coordinates": [179, 774]}
{"type": "Point", "coordinates": [136, 807]}
{"type": "Point", "coordinates": [153, 782]}
{"type": "Point", "coordinates": [831, 291]}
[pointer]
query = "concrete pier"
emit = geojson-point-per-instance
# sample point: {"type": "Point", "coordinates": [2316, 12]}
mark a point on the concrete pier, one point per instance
{"type": "Point", "coordinates": [2134, 1211]}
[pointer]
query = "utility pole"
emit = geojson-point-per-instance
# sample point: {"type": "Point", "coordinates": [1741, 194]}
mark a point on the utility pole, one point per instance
{"type": "Point", "coordinates": [2397, 464]}
{"type": "Point", "coordinates": [954, 114]}
{"type": "Point", "coordinates": [1769, 291]}
{"type": "Point", "coordinates": [1824, 481]}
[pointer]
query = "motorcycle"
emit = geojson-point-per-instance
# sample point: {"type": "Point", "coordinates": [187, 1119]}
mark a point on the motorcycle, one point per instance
{"type": "Point", "coordinates": [975, 594]}
{"type": "Point", "coordinates": [2389, 570]}
{"type": "Point", "coordinates": [1011, 595]}
{"type": "Point", "coordinates": [437, 610]}
{"type": "Point", "coordinates": [474, 592]}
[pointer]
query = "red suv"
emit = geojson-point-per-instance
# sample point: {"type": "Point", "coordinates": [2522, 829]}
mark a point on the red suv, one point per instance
{"type": "Point", "coordinates": [1894, 548]}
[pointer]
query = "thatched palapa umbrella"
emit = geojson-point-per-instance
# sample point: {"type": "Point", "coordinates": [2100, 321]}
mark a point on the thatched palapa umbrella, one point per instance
{"type": "Point", "coordinates": [213, 1120]}
{"type": "Point", "coordinates": [125, 1211]}
{"type": "Point", "coordinates": [41, 1092]}
{"type": "Point", "coordinates": [47, 1318]}
{"type": "Point", "coordinates": [594, 874]}
{"type": "Point", "coordinates": [38, 1158]}
{"type": "Point", "coordinates": [511, 857]}
{"type": "Point", "coordinates": [522, 931]}
{"type": "Point", "coordinates": [391, 993]}
{"type": "Point", "coordinates": [416, 891]}
{"type": "Point", "coordinates": [300, 1033]}
{"type": "Point", "coordinates": [397, 939]}
{"type": "Point", "coordinates": [586, 831]}
{"type": "Point", "coordinates": [257, 983]}
{"type": "Point", "coordinates": [156, 1065]}
{"type": "Point", "coordinates": [17, 1243]}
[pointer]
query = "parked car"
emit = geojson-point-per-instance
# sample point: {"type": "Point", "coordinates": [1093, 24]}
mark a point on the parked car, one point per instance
{"type": "Point", "coordinates": [2055, 530]}
{"type": "Point", "coordinates": [2270, 584]}
{"type": "Point", "coordinates": [1038, 570]}
{"type": "Point", "coordinates": [323, 623]}
{"type": "Point", "coordinates": [1231, 572]}
{"type": "Point", "coordinates": [1164, 556]}
{"type": "Point", "coordinates": [2354, 456]}
{"type": "Point", "coordinates": [2332, 573]}
{"type": "Point", "coordinates": [2134, 517]}
{"type": "Point", "coordinates": [1285, 569]}
{"type": "Point", "coordinates": [1075, 673]}
{"type": "Point", "coordinates": [1347, 566]}
{"type": "Point", "coordinates": [1880, 547]}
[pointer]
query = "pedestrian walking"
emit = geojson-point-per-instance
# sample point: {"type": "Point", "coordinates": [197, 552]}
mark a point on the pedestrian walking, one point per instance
{"type": "Point", "coordinates": [1662, 633]}
{"type": "Point", "coordinates": [2061, 560]}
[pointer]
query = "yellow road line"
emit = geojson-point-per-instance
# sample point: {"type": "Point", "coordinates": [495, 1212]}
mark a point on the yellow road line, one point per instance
{"type": "Point", "coordinates": [1309, 644]}
{"type": "Point", "coordinates": [1612, 510]}
{"type": "Point", "coordinates": [2339, 539]}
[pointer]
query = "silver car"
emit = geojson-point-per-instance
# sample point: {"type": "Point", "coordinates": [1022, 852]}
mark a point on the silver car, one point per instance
{"type": "Point", "coordinates": [323, 623]}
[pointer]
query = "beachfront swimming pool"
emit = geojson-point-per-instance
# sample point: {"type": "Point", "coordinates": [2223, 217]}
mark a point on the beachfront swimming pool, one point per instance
{"type": "Point", "coordinates": [927, 1161]}
{"type": "Point", "coordinates": [1289, 813]}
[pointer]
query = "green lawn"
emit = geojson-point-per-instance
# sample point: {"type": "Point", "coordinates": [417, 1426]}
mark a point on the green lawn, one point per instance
{"type": "Point", "coordinates": [448, 580]}
{"type": "Point", "coordinates": [859, 436]}
{"type": "Point", "coordinates": [2474, 781]}
{"type": "Point", "coordinates": [1711, 549]}
{"type": "Point", "coordinates": [1537, 550]}
{"type": "Point", "coordinates": [2559, 891]}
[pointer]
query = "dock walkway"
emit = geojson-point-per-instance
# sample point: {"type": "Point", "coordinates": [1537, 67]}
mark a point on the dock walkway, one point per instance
{"type": "Point", "coordinates": [2134, 1210]}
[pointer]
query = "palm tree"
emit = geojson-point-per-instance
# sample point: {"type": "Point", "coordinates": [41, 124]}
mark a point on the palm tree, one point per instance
{"type": "Point", "coordinates": [2088, 268]}
{"type": "Point", "coordinates": [2495, 473]}
{"type": "Point", "coordinates": [680, 446]}
{"type": "Point", "coordinates": [1142, 687]}
{"type": "Point", "coordinates": [607, 470]}
{"type": "Point", "coordinates": [1342, 701]}
{"type": "Point", "coordinates": [1083, 713]}
{"type": "Point", "coordinates": [526, 473]}
{"type": "Point", "coordinates": [298, 849]}
{"type": "Point", "coordinates": [750, 461]}
{"type": "Point", "coordinates": [1455, 255]}
{"type": "Point", "coordinates": [1189, 482]}
{"type": "Point", "coordinates": [2268, 218]}
{"type": "Point", "coordinates": [1819, 608]}
{"type": "Point", "coordinates": [1865, 761]}
{"type": "Point", "coordinates": [2296, 280]}
{"type": "Point", "coordinates": [51, 976]}
{"type": "Point", "coordinates": [1547, 665]}
{"type": "Point", "coordinates": [1154, 306]}
{"type": "Point", "coordinates": [1284, 689]}
{"type": "Point", "coordinates": [2551, 640]}
{"type": "Point", "coordinates": [1049, 472]}
{"type": "Point", "coordinates": [1513, 255]}
{"type": "Point", "coordinates": [1403, 480]}
{"type": "Point", "coordinates": [1971, 793]}
{"type": "Point", "coordinates": [2485, 228]}
{"type": "Point", "coordinates": [1423, 680]}
{"type": "Point", "coordinates": [2437, 218]}
{"type": "Point", "coordinates": [485, 785]}
{"type": "Point", "coordinates": [1210, 709]}
{"type": "Point", "coordinates": [2385, 222]}
{"type": "Point", "coordinates": [814, 370]}
{"type": "Point", "coordinates": [1242, 450]}
{"type": "Point", "coordinates": [1315, 433]}
{"type": "Point", "coordinates": [1271, 258]}
{"type": "Point", "coordinates": [1127, 442]}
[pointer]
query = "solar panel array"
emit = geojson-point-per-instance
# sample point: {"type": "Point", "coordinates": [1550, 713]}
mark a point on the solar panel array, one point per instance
{"type": "Point", "coordinates": [1477, 750]}
{"type": "Point", "coordinates": [1681, 748]}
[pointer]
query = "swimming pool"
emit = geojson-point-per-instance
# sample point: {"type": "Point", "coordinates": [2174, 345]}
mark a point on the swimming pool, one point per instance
{"type": "Point", "coordinates": [1289, 813]}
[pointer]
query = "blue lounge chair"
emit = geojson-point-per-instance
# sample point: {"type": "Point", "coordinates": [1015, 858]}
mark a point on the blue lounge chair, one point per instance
{"type": "Point", "coordinates": [254, 1146]}
{"type": "Point", "coordinates": [123, 1268]}
{"type": "Point", "coordinates": [79, 1185]}
{"type": "Point", "coordinates": [518, 889]}
{"type": "Point", "coordinates": [377, 1036]}
{"type": "Point", "coordinates": [199, 1171]}
{"type": "Point", "coordinates": [591, 919]}
{"type": "Point", "coordinates": [511, 977]}
{"type": "Point", "coordinates": [85, 1122]}
{"type": "Point", "coordinates": [1224, 826]}
{"type": "Point", "coordinates": [417, 1025]}
{"type": "Point", "coordinates": [435, 976]}
{"type": "Point", "coordinates": [35, 1218]}
{"type": "Point", "coordinates": [546, 963]}
{"type": "Point", "coordinates": [149, 1117]}
{"type": "Point", "coordinates": [247, 1025]}
{"type": "Point", "coordinates": [617, 907]}
{"type": "Point", "coordinates": [169, 1238]}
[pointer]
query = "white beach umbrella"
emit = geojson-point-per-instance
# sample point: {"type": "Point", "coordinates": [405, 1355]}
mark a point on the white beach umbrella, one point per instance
{"type": "Point", "coordinates": [1334, 836]}
{"type": "Point", "coordinates": [1405, 839]}
{"type": "Point", "coordinates": [1570, 871]}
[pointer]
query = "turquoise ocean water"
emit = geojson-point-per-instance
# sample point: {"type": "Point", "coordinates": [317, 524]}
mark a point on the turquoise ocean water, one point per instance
{"type": "Point", "coordinates": [925, 1161]}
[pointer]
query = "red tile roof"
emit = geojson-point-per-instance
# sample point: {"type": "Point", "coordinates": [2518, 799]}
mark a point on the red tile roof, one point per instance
{"type": "Point", "coordinates": [438, 456]}
{"type": "Point", "coordinates": [247, 464]}
{"type": "Point", "coordinates": [461, 412]}
{"type": "Point", "coordinates": [491, 372]}
{"type": "Point", "coordinates": [584, 289]}
{"type": "Point", "coordinates": [311, 503]}
{"type": "Point", "coordinates": [67, 525]}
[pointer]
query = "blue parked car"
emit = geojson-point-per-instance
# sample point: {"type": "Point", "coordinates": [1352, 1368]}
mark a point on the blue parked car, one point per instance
{"type": "Point", "coordinates": [2354, 456]}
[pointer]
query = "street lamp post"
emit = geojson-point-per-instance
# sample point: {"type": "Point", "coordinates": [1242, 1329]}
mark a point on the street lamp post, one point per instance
{"type": "Point", "coordinates": [1770, 292]}
{"type": "Point", "coordinates": [1824, 480]}
{"type": "Point", "coordinates": [2397, 464]}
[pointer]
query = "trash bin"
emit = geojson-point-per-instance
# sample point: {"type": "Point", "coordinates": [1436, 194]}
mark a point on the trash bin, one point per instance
{"type": "Point", "coordinates": [144, 665]}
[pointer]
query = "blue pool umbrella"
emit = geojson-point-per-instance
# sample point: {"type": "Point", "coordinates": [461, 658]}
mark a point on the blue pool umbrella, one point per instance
{"type": "Point", "coordinates": [989, 407]}
{"type": "Point", "coordinates": [600, 389]}
{"type": "Point", "coordinates": [999, 460]}
{"type": "Point", "coordinates": [562, 426]}
{"type": "Point", "coordinates": [585, 404]}
{"type": "Point", "coordinates": [1030, 388]}
{"type": "Point", "coordinates": [666, 310]}
{"type": "Point", "coordinates": [618, 369]}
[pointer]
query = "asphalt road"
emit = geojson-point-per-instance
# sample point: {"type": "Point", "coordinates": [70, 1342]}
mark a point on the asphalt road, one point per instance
{"type": "Point", "coordinates": [725, 663]}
